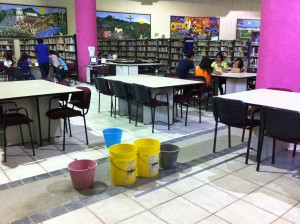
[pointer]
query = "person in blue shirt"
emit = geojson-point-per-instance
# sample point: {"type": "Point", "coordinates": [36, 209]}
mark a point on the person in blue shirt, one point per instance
{"type": "Point", "coordinates": [42, 55]}
{"type": "Point", "coordinates": [24, 63]}
{"type": "Point", "coordinates": [186, 65]}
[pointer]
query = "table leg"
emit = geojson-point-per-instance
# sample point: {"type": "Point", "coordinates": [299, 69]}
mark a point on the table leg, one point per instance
{"type": "Point", "coordinates": [39, 120]}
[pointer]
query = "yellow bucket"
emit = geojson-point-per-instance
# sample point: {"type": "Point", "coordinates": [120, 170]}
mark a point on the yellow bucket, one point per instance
{"type": "Point", "coordinates": [148, 156]}
{"type": "Point", "coordinates": [123, 162]}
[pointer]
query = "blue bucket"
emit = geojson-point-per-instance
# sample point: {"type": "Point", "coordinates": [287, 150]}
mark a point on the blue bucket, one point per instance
{"type": "Point", "coordinates": [112, 136]}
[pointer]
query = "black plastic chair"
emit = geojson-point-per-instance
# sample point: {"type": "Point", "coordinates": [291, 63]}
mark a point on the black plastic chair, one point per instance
{"type": "Point", "coordinates": [233, 113]}
{"type": "Point", "coordinates": [78, 105]}
{"type": "Point", "coordinates": [188, 95]}
{"type": "Point", "coordinates": [142, 95]}
{"type": "Point", "coordinates": [122, 91]}
{"type": "Point", "coordinates": [16, 74]}
{"type": "Point", "coordinates": [102, 87]}
{"type": "Point", "coordinates": [279, 124]}
{"type": "Point", "coordinates": [11, 116]}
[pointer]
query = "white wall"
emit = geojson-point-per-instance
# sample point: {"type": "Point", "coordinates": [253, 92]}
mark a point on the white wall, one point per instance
{"type": "Point", "coordinates": [161, 10]}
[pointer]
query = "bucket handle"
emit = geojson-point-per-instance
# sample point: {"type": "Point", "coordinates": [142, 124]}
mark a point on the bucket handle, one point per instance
{"type": "Point", "coordinates": [126, 171]}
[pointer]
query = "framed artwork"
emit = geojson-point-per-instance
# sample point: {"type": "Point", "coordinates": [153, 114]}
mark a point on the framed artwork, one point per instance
{"type": "Point", "coordinates": [32, 21]}
{"type": "Point", "coordinates": [244, 28]}
{"type": "Point", "coordinates": [201, 28]}
{"type": "Point", "coordinates": [118, 25]}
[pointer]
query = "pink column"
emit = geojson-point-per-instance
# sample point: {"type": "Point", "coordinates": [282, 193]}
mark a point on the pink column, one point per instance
{"type": "Point", "coordinates": [279, 55]}
{"type": "Point", "coordinates": [86, 33]}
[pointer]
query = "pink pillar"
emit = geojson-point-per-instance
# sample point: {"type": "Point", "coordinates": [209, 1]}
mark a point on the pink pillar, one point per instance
{"type": "Point", "coordinates": [279, 55]}
{"type": "Point", "coordinates": [86, 33]}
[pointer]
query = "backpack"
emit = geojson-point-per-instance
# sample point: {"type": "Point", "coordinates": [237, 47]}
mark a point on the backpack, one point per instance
{"type": "Point", "coordinates": [63, 64]}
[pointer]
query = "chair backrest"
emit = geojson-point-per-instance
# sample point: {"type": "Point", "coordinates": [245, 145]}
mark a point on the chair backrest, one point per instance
{"type": "Point", "coordinates": [119, 89]}
{"type": "Point", "coordinates": [229, 112]}
{"type": "Point", "coordinates": [16, 72]}
{"type": "Point", "coordinates": [64, 97]}
{"type": "Point", "coordinates": [82, 99]}
{"type": "Point", "coordinates": [102, 86]}
{"type": "Point", "coordinates": [71, 66]}
{"type": "Point", "coordinates": [141, 94]}
{"type": "Point", "coordinates": [280, 123]}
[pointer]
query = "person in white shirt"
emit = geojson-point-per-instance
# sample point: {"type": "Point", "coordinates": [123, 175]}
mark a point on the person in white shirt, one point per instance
{"type": "Point", "coordinates": [58, 68]}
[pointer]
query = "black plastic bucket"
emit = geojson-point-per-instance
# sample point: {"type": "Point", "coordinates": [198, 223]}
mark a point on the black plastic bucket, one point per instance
{"type": "Point", "coordinates": [168, 156]}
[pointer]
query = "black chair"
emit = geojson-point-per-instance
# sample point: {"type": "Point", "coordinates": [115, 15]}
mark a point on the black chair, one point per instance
{"type": "Point", "coordinates": [79, 106]}
{"type": "Point", "coordinates": [142, 95]}
{"type": "Point", "coordinates": [279, 124]}
{"type": "Point", "coordinates": [102, 87]}
{"type": "Point", "coordinates": [71, 73]}
{"type": "Point", "coordinates": [11, 116]}
{"type": "Point", "coordinates": [16, 74]}
{"type": "Point", "coordinates": [233, 113]}
{"type": "Point", "coordinates": [188, 95]}
{"type": "Point", "coordinates": [122, 91]}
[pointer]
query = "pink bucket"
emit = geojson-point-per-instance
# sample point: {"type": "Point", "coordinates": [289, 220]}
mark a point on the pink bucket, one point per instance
{"type": "Point", "coordinates": [82, 173]}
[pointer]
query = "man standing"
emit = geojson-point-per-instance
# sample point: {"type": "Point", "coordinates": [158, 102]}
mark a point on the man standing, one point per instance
{"type": "Point", "coordinates": [43, 59]}
{"type": "Point", "coordinates": [185, 65]}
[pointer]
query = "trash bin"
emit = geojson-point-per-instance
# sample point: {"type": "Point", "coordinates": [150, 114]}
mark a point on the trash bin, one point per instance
{"type": "Point", "coordinates": [168, 156]}
{"type": "Point", "coordinates": [82, 173]}
{"type": "Point", "coordinates": [112, 136]}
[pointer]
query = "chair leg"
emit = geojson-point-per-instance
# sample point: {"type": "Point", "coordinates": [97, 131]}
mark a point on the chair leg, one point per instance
{"type": "Point", "coordinates": [137, 112]}
{"type": "Point", "coordinates": [64, 134]}
{"type": "Point", "coordinates": [22, 135]}
{"type": "Point", "coordinates": [129, 110]}
{"type": "Point", "coordinates": [111, 105]}
{"type": "Point", "coordinates": [86, 135]}
{"type": "Point", "coordinates": [186, 112]}
{"type": "Point", "coordinates": [168, 117]}
{"type": "Point", "coordinates": [215, 137]}
{"type": "Point", "coordinates": [115, 106]}
{"type": "Point", "coordinates": [153, 117]}
{"type": "Point", "coordinates": [243, 134]}
{"type": "Point", "coordinates": [248, 145]}
{"type": "Point", "coordinates": [259, 150]}
{"type": "Point", "coordinates": [273, 152]}
{"type": "Point", "coordinates": [181, 110]}
{"type": "Point", "coordinates": [33, 152]}
{"type": "Point", "coordinates": [294, 151]}
{"type": "Point", "coordinates": [49, 129]}
{"type": "Point", "coordinates": [70, 127]}
{"type": "Point", "coordinates": [99, 103]}
{"type": "Point", "coordinates": [4, 144]}
{"type": "Point", "coordinates": [229, 137]}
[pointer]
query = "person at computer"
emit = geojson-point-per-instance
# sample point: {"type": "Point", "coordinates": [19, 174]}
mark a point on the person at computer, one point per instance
{"type": "Point", "coordinates": [219, 66]}
{"type": "Point", "coordinates": [186, 66]}
{"type": "Point", "coordinates": [204, 69]}
{"type": "Point", "coordinates": [238, 63]}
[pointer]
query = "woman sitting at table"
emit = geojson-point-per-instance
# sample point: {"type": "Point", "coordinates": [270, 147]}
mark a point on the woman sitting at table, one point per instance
{"type": "Point", "coordinates": [9, 61]}
{"type": "Point", "coordinates": [238, 63]}
{"type": "Point", "coordinates": [219, 66]}
{"type": "Point", "coordinates": [204, 69]}
{"type": "Point", "coordinates": [24, 63]}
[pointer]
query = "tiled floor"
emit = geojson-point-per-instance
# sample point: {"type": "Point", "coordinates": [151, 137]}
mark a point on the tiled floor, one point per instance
{"type": "Point", "coordinates": [205, 187]}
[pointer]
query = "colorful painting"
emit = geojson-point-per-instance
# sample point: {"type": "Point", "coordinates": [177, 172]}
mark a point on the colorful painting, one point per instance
{"type": "Point", "coordinates": [245, 27]}
{"type": "Point", "coordinates": [117, 25]}
{"type": "Point", "coordinates": [201, 28]}
{"type": "Point", "coordinates": [32, 21]}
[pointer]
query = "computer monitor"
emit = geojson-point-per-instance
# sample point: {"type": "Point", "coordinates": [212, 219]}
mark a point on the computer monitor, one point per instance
{"type": "Point", "coordinates": [93, 60]}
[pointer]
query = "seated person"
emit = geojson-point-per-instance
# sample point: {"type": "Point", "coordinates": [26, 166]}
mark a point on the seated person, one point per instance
{"type": "Point", "coordinates": [24, 63]}
{"type": "Point", "coordinates": [185, 65]}
{"type": "Point", "coordinates": [238, 63]}
{"type": "Point", "coordinates": [9, 60]}
{"type": "Point", "coordinates": [219, 66]}
{"type": "Point", "coordinates": [204, 69]}
{"type": "Point", "coordinates": [58, 68]}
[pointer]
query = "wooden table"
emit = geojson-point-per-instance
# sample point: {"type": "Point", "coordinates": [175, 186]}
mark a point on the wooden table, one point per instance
{"type": "Point", "coordinates": [156, 83]}
{"type": "Point", "coordinates": [34, 96]}
{"type": "Point", "coordinates": [235, 82]}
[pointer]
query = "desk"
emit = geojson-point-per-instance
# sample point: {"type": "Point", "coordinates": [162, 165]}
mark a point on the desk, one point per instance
{"type": "Point", "coordinates": [157, 84]}
{"type": "Point", "coordinates": [130, 68]}
{"type": "Point", "coordinates": [88, 69]}
{"type": "Point", "coordinates": [40, 91]}
{"type": "Point", "coordinates": [235, 82]}
{"type": "Point", "coordinates": [270, 98]}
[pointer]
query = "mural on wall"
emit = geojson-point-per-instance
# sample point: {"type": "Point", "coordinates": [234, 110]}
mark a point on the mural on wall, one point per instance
{"type": "Point", "coordinates": [245, 27]}
{"type": "Point", "coordinates": [202, 28]}
{"type": "Point", "coordinates": [32, 21]}
{"type": "Point", "coordinates": [116, 25]}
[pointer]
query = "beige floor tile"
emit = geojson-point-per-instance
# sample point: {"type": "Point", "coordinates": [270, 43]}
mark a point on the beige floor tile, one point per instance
{"type": "Point", "coordinates": [143, 218]}
{"type": "Point", "coordinates": [140, 189]}
{"type": "Point", "coordinates": [155, 198]}
{"type": "Point", "coordinates": [210, 175]}
{"type": "Point", "coordinates": [286, 186]}
{"type": "Point", "coordinates": [79, 216]}
{"type": "Point", "coordinates": [231, 166]}
{"type": "Point", "coordinates": [261, 178]}
{"type": "Point", "coordinates": [180, 210]}
{"type": "Point", "coordinates": [55, 163]}
{"type": "Point", "coordinates": [234, 185]}
{"type": "Point", "coordinates": [281, 221]}
{"type": "Point", "coordinates": [293, 215]}
{"type": "Point", "coordinates": [3, 178]}
{"type": "Point", "coordinates": [271, 201]}
{"type": "Point", "coordinates": [87, 154]}
{"type": "Point", "coordinates": [212, 220]}
{"type": "Point", "coordinates": [210, 198]}
{"type": "Point", "coordinates": [115, 209]}
{"type": "Point", "coordinates": [241, 212]}
{"type": "Point", "coordinates": [24, 171]}
{"type": "Point", "coordinates": [185, 185]}
{"type": "Point", "coordinates": [13, 161]}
